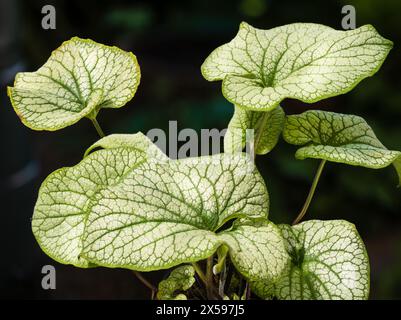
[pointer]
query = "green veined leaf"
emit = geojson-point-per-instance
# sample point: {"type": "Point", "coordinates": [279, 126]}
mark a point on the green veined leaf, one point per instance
{"type": "Point", "coordinates": [257, 250]}
{"type": "Point", "coordinates": [180, 279]}
{"type": "Point", "coordinates": [119, 208]}
{"type": "Point", "coordinates": [65, 201]}
{"type": "Point", "coordinates": [79, 79]}
{"type": "Point", "coordinates": [221, 252]}
{"type": "Point", "coordinates": [339, 138]}
{"type": "Point", "coordinates": [328, 261]}
{"type": "Point", "coordinates": [304, 61]}
{"type": "Point", "coordinates": [267, 128]}
{"type": "Point", "coordinates": [136, 141]}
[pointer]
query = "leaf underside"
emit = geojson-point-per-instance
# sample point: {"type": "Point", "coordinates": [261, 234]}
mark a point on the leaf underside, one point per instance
{"type": "Point", "coordinates": [303, 61]}
{"type": "Point", "coordinates": [120, 207]}
{"type": "Point", "coordinates": [267, 128]}
{"type": "Point", "coordinates": [339, 138]}
{"type": "Point", "coordinates": [80, 77]}
{"type": "Point", "coordinates": [328, 261]}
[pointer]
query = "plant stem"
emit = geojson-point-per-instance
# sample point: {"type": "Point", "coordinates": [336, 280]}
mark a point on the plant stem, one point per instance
{"type": "Point", "coordinates": [209, 277]}
{"type": "Point", "coordinates": [147, 284]}
{"type": "Point", "coordinates": [97, 127]}
{"type": "Point", "coordinates": [311, 192]}
{"type": "Point", "coordinates": [222, 279]}
{"type": "Point", "coordinates": [199, 272]}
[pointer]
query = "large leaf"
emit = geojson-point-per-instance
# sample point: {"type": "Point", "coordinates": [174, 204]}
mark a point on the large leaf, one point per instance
{"type": "Point", "coordinates": [80, 77]}
{"type": "Point", "coordinates": [120, 207]}
{"type": "Point", "coordinates": [304, 61]}
{"type": "Point", "coordinates": [339, 138]}
{"type": "Point", "coordinates": [328, 261]}
{"type": "Point", "coordinates": [267, 128]}
{"type": "Point", "coordinates": [180, 279]}
{"type": "Point", "coordinates": [65, 201]}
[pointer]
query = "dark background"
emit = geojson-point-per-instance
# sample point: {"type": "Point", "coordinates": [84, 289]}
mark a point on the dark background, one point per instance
{"type": "Point", "coordinates": [171, 39]}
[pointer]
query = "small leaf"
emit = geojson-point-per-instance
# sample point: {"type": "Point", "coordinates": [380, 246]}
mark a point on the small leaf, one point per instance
{"type": "Point", "coordinates": [79, 79]}
{"type": "Point", "coordinates": [180, 279]}
{"type": "Point", "coordinates": [328, 261]}
{"type": "Point", "coordinates": [236, 297]}
{"type": "Point", "coordinates": [267, 128]}
{"type": "Point", "coordinates": [257, 249]}
{"type": "Point", "coordinates": [222, 252]}
{"type": "Point", "coordinates": [339, 138]}
{"type": "Point", "coordinates": [303, 61]}
{"type": "Point", "coordinates": [120, 208]}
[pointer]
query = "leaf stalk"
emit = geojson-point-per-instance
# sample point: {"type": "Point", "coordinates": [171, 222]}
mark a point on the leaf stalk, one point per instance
{"type": "Point", "coordinates": [98, 128]}
{"type": "Point", "coordinates": [200, 273]}
{"type": "Point", "coordinates": [209, 278]}
{"type": "Point", "coordinates": [146, 283]}
{"type": "Point", "coordinates": [311, 193]}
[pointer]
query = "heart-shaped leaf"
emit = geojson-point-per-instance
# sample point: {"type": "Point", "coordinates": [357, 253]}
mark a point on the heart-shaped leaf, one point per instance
{"type": "Point", "coordinates": [328, 261]}
{"type": "Point", "coordinates": [256, 250]}
{"type": "Point", "coordinates": [79, 79]}
{"type": "Point", "coordinates": [180, 279]}
{"type": "Point", "coordinates": [267, 128]}
{"type": "Point", "coordinates": [304, 61]}
{"type": "Point", "coordinates": [65, 201]}
{"type": "Point", "coordinates": [339, 138]}
{"type": "Point", "coordinates": [121, 207]}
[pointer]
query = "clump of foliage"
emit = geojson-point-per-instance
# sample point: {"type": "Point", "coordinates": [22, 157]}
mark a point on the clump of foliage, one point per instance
{"type": "Point", "coordinates": [127, 205]}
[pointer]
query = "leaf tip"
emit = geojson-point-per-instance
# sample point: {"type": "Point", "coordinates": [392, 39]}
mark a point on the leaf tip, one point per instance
{"type": "Point", "coordinates": [372, 28]}
{"type": "Point", "coordinates": [244, 25]}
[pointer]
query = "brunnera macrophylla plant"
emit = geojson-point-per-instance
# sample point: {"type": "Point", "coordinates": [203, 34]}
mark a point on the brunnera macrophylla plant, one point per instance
{"type": "Point", "coordinates": [128, 205]}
